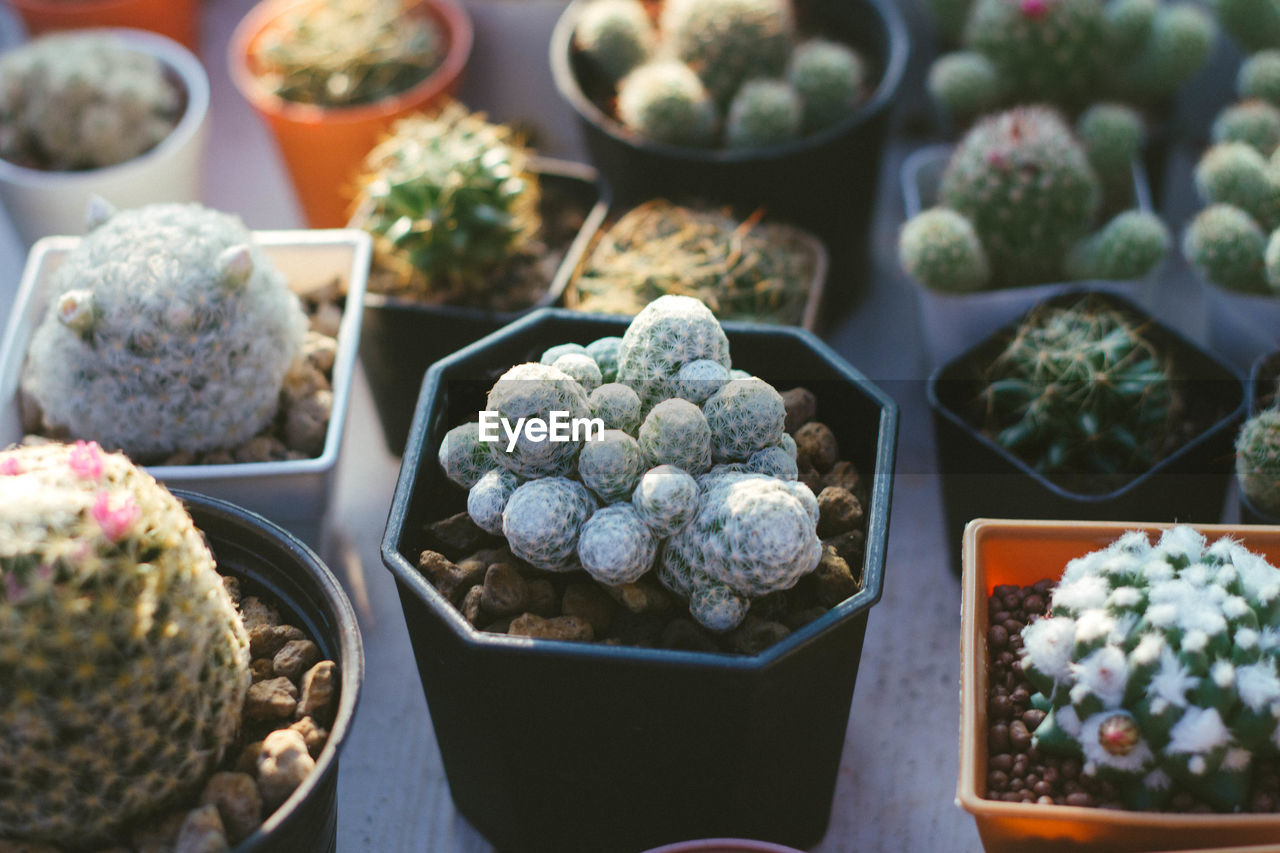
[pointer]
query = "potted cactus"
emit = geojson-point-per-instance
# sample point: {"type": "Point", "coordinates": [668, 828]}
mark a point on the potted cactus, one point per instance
{"type": "Point", "coordinates": [109, 576]}
{"type": "Point", "coordinates": [513, 225]}
{"type": "Point", "coordinates": [330, 76]}
{"type": "Point", "coordinates": [119, 113]}
{"type": "Point", "coordinates": [592, 528]}
{"type": "Point", "coordinates": [742, 268]}
{"type": "Point", "coordinates": [1019, 210]}
{"type": "Point", "coordinates": [1167, 719]}
{"type": "Point", "coordinates": [173, 332]}
{"type": "Point", "coordinates": [744, 102]}
{"type": "Point", "coordinates": [1086, 407]}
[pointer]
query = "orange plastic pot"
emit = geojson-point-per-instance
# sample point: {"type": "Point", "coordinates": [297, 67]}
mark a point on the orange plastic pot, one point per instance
{"type": "Point", "coordinates": [1023, 552]}
{"type": "Point", "coordinates": [177, 19]}
{"type": "Point", "coordinates": [323, 147]}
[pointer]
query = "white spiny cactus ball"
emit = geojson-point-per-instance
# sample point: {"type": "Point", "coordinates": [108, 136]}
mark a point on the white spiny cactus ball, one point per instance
{"type": "Point", "coordinates": [669, 333]}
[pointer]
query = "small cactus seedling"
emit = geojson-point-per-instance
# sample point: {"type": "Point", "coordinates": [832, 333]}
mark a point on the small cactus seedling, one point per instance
{"type": "Point", "coordinates": [1258, 460]}
{"type": "Point", "coordinates": [728, 42]}
{"type": "Point", "coordinates": [764, 113]}
{"type": "Point", "coordinates": [829, 78]}
{"type": "Point", "coordinates": [616, 35]}
{"type": "Point", "coordinates": [1227, 240]}
{"type": "Point", "coordinates": [665, 101]}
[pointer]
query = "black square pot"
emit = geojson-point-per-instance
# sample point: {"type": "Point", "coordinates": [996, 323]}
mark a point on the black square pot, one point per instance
{"type": "Point", "coordinates": [401, 338]}
{"type": "Point", "coordinates": [556, 746]}
{"type": "Point", "coordinates": [273, 562]}
{"type": "Point", "coordinates": [983, 480]}
{"type": "Point", "coordinates": [826, 182]}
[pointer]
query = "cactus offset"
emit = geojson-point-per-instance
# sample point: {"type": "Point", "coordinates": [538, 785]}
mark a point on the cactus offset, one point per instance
{"type": "Point", "coordinates": [611, 466]}
{"type": "Point", "coordinates": [1258, 460]}
{"type": "Point", "coordinates": [543, 519]}
{"type": "Point", "coordinates": [616, 546]}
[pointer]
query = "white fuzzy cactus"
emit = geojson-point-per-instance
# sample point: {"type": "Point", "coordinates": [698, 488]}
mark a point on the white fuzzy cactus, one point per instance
{"type": "Point", "coordinates": [775, 462]}
{"type": "Point", "coordinates": [666, 498]}
{"type": "Point", "coordinates": [553, 354]}
{"type": "Point", "coordinates": [669, 333]}
{"type": "Point", "coordinates": [698, 380]}
{"type": "Point", "coordinates": [745, 415]}
{"type": "Point", "coordinates": [616, 546]}
{"type": "Point", "coordinates": [464, 457]}
{"type": "Point", "coordinates": [676, 433]}
{"type": "Point", "coordinates": [617, 406]}
{"type": "Point", "coordinates": [605, 352]}
{"type": "Point", "coordinates": [168, 330]}
{"type": "Point", "coordinates": [582, 368]}
{"type": "Point", "coordinates": [488, 498]}
{"type": "Point", "coordinates": [542, 521]}
{"type": "Point", "coordinates": [535, 391]}
{"type": "Point", "coordinates": [82, 101]}
{"type": "Point", "coordinates": [611, 465]}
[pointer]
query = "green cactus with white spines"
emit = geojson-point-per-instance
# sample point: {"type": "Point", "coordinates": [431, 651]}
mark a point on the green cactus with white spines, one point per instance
{"type": "Point", "coordinates": [1177, 45]}
{"type": "Point", "coordinates": [616, 546]}
{"type": "Point", "coordinates": [1112, 136]}
{"type": "Point", "coordinates": [829, 78]}
{"type": "Point", "coordinates": [665, 101]}
{"type": "Point", "coordinates": [698, 380]}
{"type": "Point", "coordinates": [617, 406]}
{"type": "Point", "coordinates": [666, 498]}
{"type": "Point", "coordinates": [123, 660]}
{"type": "Point", "coordinates": [543, 519]}
{"type": "Point", "coordinates": [605, 352]}
{"type": "Point", "coordinates": [552, 354]}
{"type": "Point", "coordinates": [1079, 389]}
{"type": "Point", "coordinates": [1227, 241]}
{"type": "Point", "coordinates": [168, 329]}
{"type": "Point", "coordinates": [449, 199]}
{"type": "Point", "coordinates": [464, 457]}
{"type": "Point", "coordinates": [487, 499]}
{"type": "Point", "coordinates": [616, 35]}
{"type": "Point", "coordinates": [776, 461]}
{"type": "Point", "coordinates": [1226, 245]}
{"type": "Point", "coordinates": [728, 42]}
{"type": "Point", "coordinates": [536, 391]}
{"type": "Point", "coordinates": [745, 415]}
{"type": "Point", "coordinates": [667, 334]}
{"type": "Point", "coordinates": [582, 368]}
{"type": "Point", "coordinates": [676, 432]}
{"type": "Point", "coordinates": [763, 113]}
{"type": "Point", "coordinates": [611, 465]}
{"type": "Point", "coordinates": [82, 101]}
{"type": "Point", "coordinates": [940, 249]}
{"type": "Point", "coordinates": [1258, 460]}
{"type": "Point", "coordinates": [1255, 123]}
{"type": "Point", "coordinates": [1236, 173]}
{"type": "Point", "coordinates": [1255, 24]}
{"type": "Point", "coordinates": [1129, 246]}
{"type": "Point", "coordinates": [965, 82]}
{"type": "Point", "coordinates": [1259, 77]}
{"type": "Point", "coordinates": [1158, 666]}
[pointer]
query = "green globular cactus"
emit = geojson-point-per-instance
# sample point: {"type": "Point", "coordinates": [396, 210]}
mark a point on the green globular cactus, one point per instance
{"type": "Point", "coordinates": [536, 391]}
{"type": "Point", "coordinates": [82, 101]}
{"type": "Point", "coordinates": [776, 461]}
{"type": "Point", "coordinates": [667, 334]}
{"type": "Point", "coordinates": [1178, 45]}
{"type": "Point", "coordinates": [698, 380]}
{"type": "Point", "coordinates": [666, 498]}
{"type": "Point", "coordinates": [1128, 246]}
{"type": "Point", "coordinates": [728, 42]}
{"type": "Point", "coordinates": [464, 457]}
{"type": "Point", "coordinates": [1129, 23]}
{"type": "Point", "coordinates": [123, 661]}
{"type": "Point", "coordinates": [543, 519]}
{"type": "Point", "coordinates": [966, 83]}
{"type": "Point", "coordinates": [1079, 390]}
{"type": "Point", "coordinates": [1258, 460]}
{"type": "Point", "coordinates": [553, 354]}
{"type": "Point", "coordinates": [829, 77]}
{"type": "Point", "coordinates": [605, 352]}
{"type": "Point", "coordinates": [616, 35]}
{"type": "Point", "coordinates": [1112, 136]}
{"type": "Point", "coordinates": [449, 200]}
{"type": "Point", "coordinates": [1236, 173]}
{"type": "Point", "coordinates": [1255, 123]}
{"type": "Point", "coordinates": [1259, 77]}
{"type": "Point", "coordinates": [488, 498]}
{"type": "Point", "coordinates": [763, 113]}
{"type": "Point", "coordinates": [617, 406]}
{"type": "Point", "coordinates": [1271, 260]}
{"type": "Point", "coordinates": [1158, 665]}
{"type": "Point", "coordinates": [676, 432]}
{"type": "Point", "coordinates": [745, 415]}
{"type": "Point", "coordinates": [168, 330]}
{"type": "Point", "coordinates": [664, 100]}
{"type": "Point", "coordinates": [611, 465]}
{"type": "Point", "coordinates": [616, 546]}
{"type": "Point", "coordinates": [582, 368]}
{"type": "Point", "coordinates": [1255, 24]}
{"type": "Point", "coordinates": [940, 249]}
{"type": "Point", "coordinates": [1226, 245]}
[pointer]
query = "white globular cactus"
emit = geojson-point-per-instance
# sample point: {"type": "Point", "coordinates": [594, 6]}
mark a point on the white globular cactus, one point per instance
{"type": "Point", "coordinates": [553, 354]}
{"type": "Point", "coordinates": [169, 330]}
{"type": "Point", "coordinates": [616, 546]}
{"type": "Point", "coordinates": [605, 352]}
{"type": "Point", "coordinates": [611, 465]}
{"type": "Point", "coordinates": [666, 498]}
{"type": "Point", "coordinates": [535, 391]}
{"type": "Point", "coordinates": [582, 368]}
{"type": "Point", "coordinates": [676, 433]}
{"type": "Point", "coordinates": [488, 498]}
{"type": "Point", "coordinates": [669, 333]}
{"type": "Point", "coordinates": [542, 521]}
{"type": "Point", "coordinates": [745, 415]}
{"type": "Point", "coordinates": [617, 406]}
{"type": "Point", "coordinates": [698, 380]}
{"type": "Point", "coordinates": [716, 606]}
{"type": "Point", "coordinates": [775, 461]}
{"type": "Point", "coordinates": [464, 457]}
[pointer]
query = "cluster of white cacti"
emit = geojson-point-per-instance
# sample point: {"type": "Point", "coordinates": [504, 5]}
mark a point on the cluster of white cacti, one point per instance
{"type": "Point", "coordinates": [626, 502]}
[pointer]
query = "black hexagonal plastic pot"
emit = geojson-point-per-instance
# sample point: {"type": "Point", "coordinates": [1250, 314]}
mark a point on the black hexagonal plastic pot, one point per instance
{"type": "Point", "coordinates": [825, 182]}
{"type": "Point", "coordinates": [980, 479]}
{"type": "Point", "coordinates": [272, 562]}
{"type": "Point", "coordinates": [557, 746]}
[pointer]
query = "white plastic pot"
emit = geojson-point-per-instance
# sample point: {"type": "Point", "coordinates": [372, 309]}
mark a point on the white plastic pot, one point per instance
{"type": "Point", "coordinates": [952, 323]}
{"type": "Point", "coordinates": [41, 203]}
{"type": "Point", "coordinates": [295, 494]}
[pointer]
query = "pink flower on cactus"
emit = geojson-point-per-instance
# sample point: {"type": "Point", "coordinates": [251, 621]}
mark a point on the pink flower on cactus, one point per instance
{"type": "Point", "coordinates": [115, 521]}
{"type": "Point", "coordinates": [85, 459]}
{"type": "Point", "coordinates": [1034, 9]}
{"type": "Point", "coordinates": [10, 466]}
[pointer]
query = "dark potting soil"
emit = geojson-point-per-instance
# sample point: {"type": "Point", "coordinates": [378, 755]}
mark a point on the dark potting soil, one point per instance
{"type": "Point", "coordinates": [1017, 772]}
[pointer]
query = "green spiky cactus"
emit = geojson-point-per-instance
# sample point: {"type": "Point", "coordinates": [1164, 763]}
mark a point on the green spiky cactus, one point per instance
{"type": "Point", "coordinates": [1255, 24]}
{"type": "Point", "coordinates": [1226, 245]}
{"type": "Point", "coordinates": [449, 200]}
{"type": "Point", "coordinates": [1129, 246]}
{"type": "Point", "coordinates": [123, 661]}
{"type": "Point", "coordinates": [536, 391]}
{"type": "Point", "coordinates": [1259, 77]}
{"type": "Point", "coordinates": [543, 519]}
{"type": "Point", "coordinates": [616, 35]}
{"type": "Point", "coordinates": [616, 546]}
{"type": "Point", "coordinates": [1258, 460]}
{"type": "Point", "coordinates": [829, 78]}
{"type": "Point", "coordinates": [664, 100]}
{"type": "Point", "coordinates": [728, 42]}
{"type": "Point", "coordinates": [667, 334]}
{"type": "Point", "coordinates": [940, 249]}
{"type": "Point", "coordinates": [965, 83]}
{"type": "Point", "coordinates": [1177, 46]}
{"type": "Point", "coordinates": [1255, 123]}
{"type": "Point", "coordinates": [1158, 665]}
{"type": "Point", "coordinates": [1112, 136]}
{"type": "Point", "coordinates": [1079, 389]}
{"type": "Point", "coordinates": [168, 329]}
{"type": "Point", "coordinates": [82, 101]}
{"type": "Point", "coordinates": [611, 465]}
{"type": "Point", "coordinates": [763, 113]}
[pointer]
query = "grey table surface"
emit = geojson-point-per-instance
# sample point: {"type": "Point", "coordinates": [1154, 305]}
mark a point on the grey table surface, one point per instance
{"type": "Point", "coordinates": [896, 785]}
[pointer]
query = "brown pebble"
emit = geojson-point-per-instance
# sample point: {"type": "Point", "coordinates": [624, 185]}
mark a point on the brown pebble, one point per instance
{"type": "Point", "coordinates": [643, 596]}
{"type": "Point", "coordinates": [833, 578]}
{"type": "Point", "coordinates": [1079, 798]}
{"type": "Point", "coordinates": [470, 606]}
{"type": "Point", "coordinates": [312, 734]}
{"type": "Point", "coordinates": [260, 448]}
{"type": "Point", "coordinates": [248, 760]}
{"type": "Point", "coordinates": [755, 635]}
{"type": "Point", "coordinates": [818, 444]}
{"type": "Point", "coordinates": [1003, 761]}
{"type": "Point", "coordinates": [1032, 718]}
{"type": "Point", "coordinates": [326, 319]}
{"type": "Point", "coordinates": [239, 805]}
{"type": "Point", "coordinates": [306, 422]}
{"type": "Point", "coordinates": [319, 685]}
{"type": "Point", "coordinates": [542, 600]}
{"type": "Point", "coordinates": [456, 535]}
{"type": "Point", "coordinates": [452, 579]}
{"type": "Point", "coordinates": [998, 637]}
{"type": "Point", "coordinates": [294, 657]}
{"type": "Point", "coordinates": [1042, 788]}
{"type": "Point", "coordinates": [1033, 604]}
{"type": "Point", "coordinates": [1000, 708]}
{"type": "Point", "coordinates": [571, 628]}
{"type": "Point", "coordinates": [505, 592]}
{"type": "Point", "coordinates": [998, 738]}
{"type": "Point", "coordinates": [687, 635]}
{"type": "Point", "coordinates": [255, 612]}
{"type": "Point", "coordinates": [320, 351]}
{"type": "Point", "coordinates": [217, 457]}
{"type": "Point", "coordinates": [500, 626]}
{"type": "Point", "coordinates": [266, 640]}
{"type": "Point", "coordinates": [301, 381]}
{"type": "Point", "coordinates": [261, 669]}
{"type": "Point", "coordinates": [801, 406]}
{"type": "Point", "coordinates": [273, 699]}
{"type": "Point", "coordinates": [232, 586]}
{"type": "Point", "coordinates": [283, 764]}
{"type": "Point", "coordinates": [850, 546]}
{"type": "Point", "coordinates": [997, 780]}
{"type": "Point", "coordinates": [838, 511]}
{"type": "Point", "coordinates": [202, 832]}
{"type": "Point", "coordinates": [588, 601]}
{"type": "Point", "coordinates": [812, 479]}
{"type": "Point", "coordinates": [843, 475]}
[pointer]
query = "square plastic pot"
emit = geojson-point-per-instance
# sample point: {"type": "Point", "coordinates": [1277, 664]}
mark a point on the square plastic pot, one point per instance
{"type": "Point", "coordinates": [555, 746]}
{"type": "Point", "coordinates": [1023, 552]}
{"type": "Point", "coordinates": [954, 322]}
{"type": "Point", "coordinates": [403, 337]}
{"type": "Point", "coordinates": [295, 493]}
{"type": "Point", "coordinates": [983, 480]}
